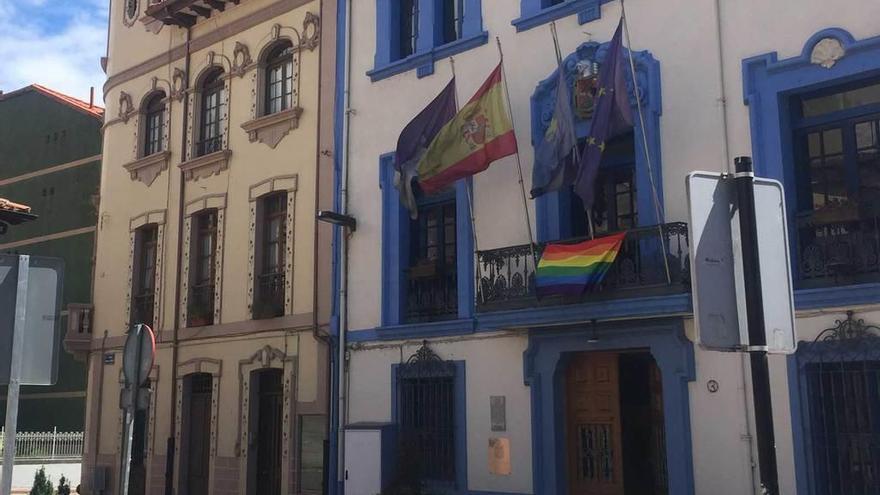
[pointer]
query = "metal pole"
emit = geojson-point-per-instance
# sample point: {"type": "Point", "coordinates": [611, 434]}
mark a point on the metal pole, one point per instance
{"type": "Point", "coordinates": [130, 407]}
{"type": "Point", "coordinates": [15, 373]}
{"type": "Point", "coordinates": [745, 194]}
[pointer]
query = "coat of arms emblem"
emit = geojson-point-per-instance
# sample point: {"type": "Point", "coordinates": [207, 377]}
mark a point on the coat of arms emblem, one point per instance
{"type": "Point", "coordinates": [584, 91]}
{"type": "Point", "coordinates": [477, 131]}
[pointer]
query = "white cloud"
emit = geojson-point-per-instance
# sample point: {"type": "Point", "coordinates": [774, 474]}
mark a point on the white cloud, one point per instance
{"type": "Point", "coordinates": [58, 48]}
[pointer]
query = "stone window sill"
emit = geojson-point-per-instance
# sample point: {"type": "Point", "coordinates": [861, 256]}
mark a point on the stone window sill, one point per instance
{"type": "Point", "coordinates": [424, 61]}
{"type": "Point", "coordinates": [146, 169]}
{"type": "Point", "coordinates": [206, 165]}
{"type": "Point", "coordinates": [269, 129]}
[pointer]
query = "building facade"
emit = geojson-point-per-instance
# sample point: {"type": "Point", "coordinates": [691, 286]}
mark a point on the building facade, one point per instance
{"type": "Point", "coordinates": [50, 159]}
{"type": "Point", "coordinates": [217, 153]}
{"type": "Point", "coordinates": [456, 374]}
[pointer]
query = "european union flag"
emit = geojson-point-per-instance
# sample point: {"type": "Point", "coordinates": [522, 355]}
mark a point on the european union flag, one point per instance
{"type": "Point", "coordinates": [611, 116]}
{"type": "Point", "coordinates": [554, 167]}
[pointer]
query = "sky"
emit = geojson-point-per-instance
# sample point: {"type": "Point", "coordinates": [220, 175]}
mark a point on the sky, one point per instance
{"type": "Point", "coordinates": [56, 43]}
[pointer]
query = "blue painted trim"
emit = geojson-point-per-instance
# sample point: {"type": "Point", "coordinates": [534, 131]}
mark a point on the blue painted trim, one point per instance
{"type": "Point", "coordinates": [768, 85]}
{"type": "Point", "coordinates": [643, 307]}
{"type": "Point", "coordinates": [553, 209]}
{"type": "Point", "coordinates": [461, 474]}
{"type": "Point", "coordinates": [429, 46]}
{"type": "Point", "coordinates": [533, 13]}
{"type": "Point", "coordinates": [395, 253]}
{"type": "Point", "coordinates": [481, 492]}
{"type": "Point", "coordinates": [544, 364]}
{"type": "Point", "coordinates": [837, 296]}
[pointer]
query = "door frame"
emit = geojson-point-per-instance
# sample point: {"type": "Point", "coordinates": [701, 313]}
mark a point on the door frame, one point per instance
{"type": "Point", "coordinates": [544, 365]}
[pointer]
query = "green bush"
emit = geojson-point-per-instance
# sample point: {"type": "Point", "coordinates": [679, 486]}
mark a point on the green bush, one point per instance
{"type": "Point", "coordinates": [63, 486]}
{"type": "Point", "coordinates": [42, 484]}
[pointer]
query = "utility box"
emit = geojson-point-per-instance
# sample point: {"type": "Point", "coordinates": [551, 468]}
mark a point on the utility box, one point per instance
{"type": "Point", "coordinates": [370, 457]}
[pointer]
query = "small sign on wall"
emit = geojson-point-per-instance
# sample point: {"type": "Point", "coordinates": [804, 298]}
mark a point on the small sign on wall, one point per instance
{"type": "Point", "coordinates": [109, 358]}
{"type": "Point", "coordinates": [499, 456]}
{"type": "Point", "coordinates": [498, 412]}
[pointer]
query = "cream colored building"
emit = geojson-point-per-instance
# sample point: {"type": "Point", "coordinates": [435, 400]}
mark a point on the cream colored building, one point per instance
{"type": "Point", "coordinates": [216, 158]}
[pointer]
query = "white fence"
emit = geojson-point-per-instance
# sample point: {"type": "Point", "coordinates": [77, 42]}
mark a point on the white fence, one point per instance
{"type": "Point", "coordinates": [47, 445]}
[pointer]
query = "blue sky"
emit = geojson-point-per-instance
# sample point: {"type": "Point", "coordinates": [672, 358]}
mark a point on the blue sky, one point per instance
{"type": "Point", "coordinates": [56, 43]}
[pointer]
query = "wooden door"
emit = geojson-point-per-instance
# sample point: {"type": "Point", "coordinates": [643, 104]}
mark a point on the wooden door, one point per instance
{"type": "Point", "coordinates": [199, 441]}
{"type": "Point", "coordinates": [269, 433]}
{"type": "Point", "coordinates": [593, 437]}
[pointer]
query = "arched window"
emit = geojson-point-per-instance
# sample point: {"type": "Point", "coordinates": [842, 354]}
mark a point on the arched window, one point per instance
{"type": "Point", "coordinates": [279, 78]}
{"type": "Point", "coordinates": [154, 124]}
{"type": "Point", "coordinates": [211, 113]}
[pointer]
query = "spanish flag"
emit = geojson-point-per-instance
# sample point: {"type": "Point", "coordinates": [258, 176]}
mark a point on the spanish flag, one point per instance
{"type": "Point", "coordinates": [480, 133]}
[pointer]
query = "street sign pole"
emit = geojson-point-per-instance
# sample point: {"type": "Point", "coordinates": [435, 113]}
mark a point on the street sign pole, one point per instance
{"type": "Point", "coordinates": [745, 193]}
{"type": "Point", "coordinates": [137, 360]}
{"type": "Point", "coordinates": [15, 373]}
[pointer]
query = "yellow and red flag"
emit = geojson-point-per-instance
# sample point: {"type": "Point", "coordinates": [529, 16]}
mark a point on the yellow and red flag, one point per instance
{"type": "Point", "coordinates": [480, 133]}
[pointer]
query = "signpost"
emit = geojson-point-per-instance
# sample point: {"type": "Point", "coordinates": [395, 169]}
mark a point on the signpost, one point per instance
{"type": "Point", "coordinates": [741, 277]}
{"type": "Point", "coordinates": [30, 305]}
{"type": "Point", "coordinates": [137, 361]}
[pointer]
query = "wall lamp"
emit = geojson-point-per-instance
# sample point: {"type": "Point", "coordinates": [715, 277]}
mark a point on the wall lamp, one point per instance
{"type": "Point", "coordinates": [346, 221]}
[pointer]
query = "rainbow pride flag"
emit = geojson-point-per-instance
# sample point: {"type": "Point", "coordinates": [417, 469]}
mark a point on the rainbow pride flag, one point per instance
{"type": "Point", "coordinates": [569, 269]}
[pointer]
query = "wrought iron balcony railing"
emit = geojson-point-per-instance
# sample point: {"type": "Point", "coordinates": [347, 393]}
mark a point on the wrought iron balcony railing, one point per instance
{"type": "Point", "coordinates": [507, 275]}
{"type": "Point", "coordinates": [200, 310]}
{"type": "Point", "coordinates": [269, 300]}
{"type": "Point", "coordinates": [142, 308]}
{"type": "Point", "coordinates": [208, 146]}
{"type": "Point", "coordinates": [838, 251]}
{"type": "Point", "coordinates": [432, 293]}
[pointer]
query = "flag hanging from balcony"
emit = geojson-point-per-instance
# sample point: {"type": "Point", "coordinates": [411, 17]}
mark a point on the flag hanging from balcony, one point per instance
{"type": "Point", "coordinates": [416, 137]}
{"type": "Point", "coordinates": [571, 269]}
{"type": "Point", "coordinates": [612, 116]}
{"type": "Point", "coordinates": [480, 133]}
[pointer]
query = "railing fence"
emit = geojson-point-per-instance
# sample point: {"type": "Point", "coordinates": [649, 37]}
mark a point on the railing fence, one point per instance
{"type": "Point", "coordinates": [46, 445]}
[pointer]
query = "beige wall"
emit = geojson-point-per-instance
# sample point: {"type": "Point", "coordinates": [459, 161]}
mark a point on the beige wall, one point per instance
{"type": "Point", "coordinates": [138, 62]}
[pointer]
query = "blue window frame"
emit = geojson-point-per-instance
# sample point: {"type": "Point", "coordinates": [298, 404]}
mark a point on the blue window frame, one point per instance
{"type": "Point", "coordinates": [428, 263]}
{"type": "Point", "coordinates": [776, 92]}
{"type": "Point", "coordinates": [412, 34]}
{"type": "Point", "coordinates": [534, 13]}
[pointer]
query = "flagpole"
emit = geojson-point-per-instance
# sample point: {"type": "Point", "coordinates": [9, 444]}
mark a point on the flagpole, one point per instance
{"type": "Point", "coordinates": [577, 152]}
{"type": "Point", "coordinates": [658, 209]}
{"type": "Point", "coordinates": [522, 187]}
{"type": "Point", "coordinates": [470, 193]}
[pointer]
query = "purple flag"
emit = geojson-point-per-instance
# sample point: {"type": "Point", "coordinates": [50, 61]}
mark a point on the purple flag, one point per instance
{"type": "Point", "coordinates": [612, 116]}
{"type": "Point", "coordinates": [415, 138]}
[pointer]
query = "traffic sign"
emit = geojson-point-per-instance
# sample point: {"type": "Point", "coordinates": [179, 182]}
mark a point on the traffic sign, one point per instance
{"type": "Point", "coordinates": [138, 355]}
{"type": "Point", "coordinates": [717, 267]}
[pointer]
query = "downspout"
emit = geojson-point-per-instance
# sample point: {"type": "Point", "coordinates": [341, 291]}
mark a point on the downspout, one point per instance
{"type": "Point", "coordinates": [725, 157]}
{"type": "Point", "coordinates": [343, 249]}
{"type": "Point", "coordinates": [170, 447]}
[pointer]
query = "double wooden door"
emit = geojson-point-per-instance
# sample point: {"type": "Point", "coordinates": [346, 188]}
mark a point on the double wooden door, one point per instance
{"type": "Point", "coordinates": [593, 426]}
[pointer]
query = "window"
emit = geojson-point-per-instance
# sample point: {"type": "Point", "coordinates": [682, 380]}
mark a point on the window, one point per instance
{"type": "Point", "coordinates": [414, 33]}
{"type": "Point", "coordinates": [426, 416]}
{"type": "Point", "coordinates": [272, 254]}
{"type": "Point", "coordinates": [534, 13]}
{"type": "Point", "coordinates": [200, 310]}
{"type": "Point", "coordinates": [837, 167]}
{"type": "Point", "coordinates": [154, 124]}
{"type": "Point", "coordinates": [211, 113]}
{"type": "Point", "coordinates": [432, 273]}
{"type": "Point", "coordinates": [144, 282]}
{"type": "Point", "coordinates": [279, 78]}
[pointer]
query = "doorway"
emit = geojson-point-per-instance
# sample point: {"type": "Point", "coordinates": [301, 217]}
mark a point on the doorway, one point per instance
{"type": "Point", "coordinates": [266, 427]}
{"type": "Point", "coordinates": [614, 429]}
{"type": "Point", "coordinates": [198, 440]}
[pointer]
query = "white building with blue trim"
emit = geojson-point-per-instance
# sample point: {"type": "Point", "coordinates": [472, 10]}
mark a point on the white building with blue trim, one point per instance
{"type": "Point", "coordinates": [456, 375]}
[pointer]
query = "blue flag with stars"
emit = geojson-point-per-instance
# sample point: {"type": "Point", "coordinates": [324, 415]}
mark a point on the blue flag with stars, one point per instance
{"type": "Point", "coordinates": [612, 116]}
{"type": "Point", "coordinates": [553, 166]}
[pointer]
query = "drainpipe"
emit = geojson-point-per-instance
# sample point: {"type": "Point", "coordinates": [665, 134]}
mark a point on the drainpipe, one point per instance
{"type": "Point", "coordinates": [343, 269]}
{"type": "Point", "coordinates": [170, 447]}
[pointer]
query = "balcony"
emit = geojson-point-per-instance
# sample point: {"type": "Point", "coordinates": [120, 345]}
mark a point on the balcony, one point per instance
{"type": "Point", "coordinates": [185, 13]}
{"type": "Point", "coordinates": [431, 292]}
{"type": "Point", "coordinates": [507, 275]}
{"type": "Point", "coordinates": [142, 308]}
{"type": "Point", "coordinates": [200, 310]}
{"type": "Point", "coordinates": [269, 300]}
{"type": "Point", "coordinates": [78, 337]}
{"type": "Point", "coordinates": [836, 247]}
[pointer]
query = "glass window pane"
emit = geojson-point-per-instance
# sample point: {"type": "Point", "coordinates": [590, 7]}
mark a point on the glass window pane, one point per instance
{"type": "Point", "coordinates": [866, 95]}
{"type": "Point", "coordinates": [832, 140]}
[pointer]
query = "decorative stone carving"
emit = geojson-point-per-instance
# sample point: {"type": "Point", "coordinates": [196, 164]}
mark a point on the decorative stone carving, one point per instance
{"type": "Point", "coordinates": [126, 107]}
{"type": "Point", "coordinates": [178, 84]}
{"type": "Point", "coordinates": [206, 165]}
{"type": "Point", "coordinates": [271, 128]}
{"type": "Point", "coordinates": [827, 52]}
{"type": "Point", "coordinates": [241, 59]}
{"type": "Point", "coordinates": [146, 169]}
{"type": "Point", "coordinates": [311, 32]}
